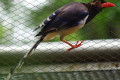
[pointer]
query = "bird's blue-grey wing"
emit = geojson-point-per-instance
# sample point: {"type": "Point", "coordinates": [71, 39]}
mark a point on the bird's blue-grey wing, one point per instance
{"type": "Point", "coordinates": [68, 16]}
{"type": "Point", "coordinates": [48, 20]}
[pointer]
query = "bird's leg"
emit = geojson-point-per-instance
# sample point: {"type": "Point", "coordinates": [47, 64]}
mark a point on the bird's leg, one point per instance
{"type": "Point", "coordinates": [73, 46]}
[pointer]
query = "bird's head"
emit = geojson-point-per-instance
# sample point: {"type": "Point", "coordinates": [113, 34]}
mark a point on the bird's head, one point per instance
{"type": "Point", "coordinates": [101, 4]}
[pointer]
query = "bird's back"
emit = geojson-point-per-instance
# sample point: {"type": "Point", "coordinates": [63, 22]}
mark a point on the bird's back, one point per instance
{"type": "Point", "coordinates": [68, 16]}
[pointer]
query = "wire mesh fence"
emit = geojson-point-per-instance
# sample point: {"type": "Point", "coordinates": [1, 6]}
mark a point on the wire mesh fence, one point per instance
{"type": "Point", "coordinates": [97, 59]}
{"type": "Point", "coordinates": [87, 75]}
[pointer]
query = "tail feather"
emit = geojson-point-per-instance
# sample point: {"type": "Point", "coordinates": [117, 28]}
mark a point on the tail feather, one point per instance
{"type": "Point", "coordinates": [21, 62]}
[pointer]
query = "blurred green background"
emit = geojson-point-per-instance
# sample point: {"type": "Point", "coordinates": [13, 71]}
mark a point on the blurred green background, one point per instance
{"type": "Point", "coordinates": [19, 17]}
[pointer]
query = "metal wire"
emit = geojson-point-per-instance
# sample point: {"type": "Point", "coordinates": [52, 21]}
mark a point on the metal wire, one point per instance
{"type": "Point", "coordinates": [97, 59]}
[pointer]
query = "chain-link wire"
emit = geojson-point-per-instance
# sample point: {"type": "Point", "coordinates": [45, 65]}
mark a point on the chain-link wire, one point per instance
{"type": "Point", "coordinates": [97, 59]}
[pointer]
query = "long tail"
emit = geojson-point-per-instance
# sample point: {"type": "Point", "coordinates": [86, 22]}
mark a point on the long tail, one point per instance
{"type": "Point", "coordinates": [21, 62]}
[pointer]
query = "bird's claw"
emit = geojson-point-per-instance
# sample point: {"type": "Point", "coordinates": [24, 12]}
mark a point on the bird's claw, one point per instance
{"type": "Point", "coordinates": [75, 46]}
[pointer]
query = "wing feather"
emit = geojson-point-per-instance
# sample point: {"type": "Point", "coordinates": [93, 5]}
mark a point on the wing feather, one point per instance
{"type": "Point", "coordinates": [68, 16]}
{"type": "Point", "coordinates": [48, 20]}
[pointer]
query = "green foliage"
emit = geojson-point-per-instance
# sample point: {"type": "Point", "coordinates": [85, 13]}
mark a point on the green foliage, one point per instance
{"type": "Point", "coordinates": [7, 4]}
{"type": "Point", "coordinates": [2, 31]}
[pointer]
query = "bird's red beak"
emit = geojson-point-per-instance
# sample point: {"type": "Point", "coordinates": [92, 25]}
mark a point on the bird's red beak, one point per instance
{"type": "Point", "coordinates": [107, 4]}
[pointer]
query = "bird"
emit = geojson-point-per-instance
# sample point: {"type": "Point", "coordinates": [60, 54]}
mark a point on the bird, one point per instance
{"type": "Point", "coordinates": [65, 21]}
{"type": "Point", "coordinates": [69, 19]}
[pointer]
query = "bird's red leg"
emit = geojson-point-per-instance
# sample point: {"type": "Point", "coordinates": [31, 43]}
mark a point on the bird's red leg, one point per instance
{"type": "Point", "coordinates": [73, 46]}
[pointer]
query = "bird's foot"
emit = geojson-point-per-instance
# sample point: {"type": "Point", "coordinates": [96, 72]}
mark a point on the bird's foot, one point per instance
{"type": "Point", "coordinates": [75, 46]}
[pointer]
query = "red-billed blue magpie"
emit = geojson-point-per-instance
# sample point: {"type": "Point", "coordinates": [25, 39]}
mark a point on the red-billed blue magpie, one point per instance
{"type": "Point", "coordinates": [64, 21]}
{"type": "Point", "coordinates": [69, 19]}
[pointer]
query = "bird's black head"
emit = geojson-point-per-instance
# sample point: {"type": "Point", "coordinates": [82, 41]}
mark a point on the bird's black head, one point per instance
{"type": "Point", "coordinates": [101, 4]}
{"type": "Point", "coordinates": [96, 6]}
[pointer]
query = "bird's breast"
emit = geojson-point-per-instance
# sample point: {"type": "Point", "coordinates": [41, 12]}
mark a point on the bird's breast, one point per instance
{"type": "Point", "coordinates": [73, 29]}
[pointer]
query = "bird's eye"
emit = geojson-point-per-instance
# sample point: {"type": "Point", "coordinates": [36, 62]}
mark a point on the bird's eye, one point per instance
{"type": "Point", "coordinates": [102, 1]}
